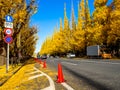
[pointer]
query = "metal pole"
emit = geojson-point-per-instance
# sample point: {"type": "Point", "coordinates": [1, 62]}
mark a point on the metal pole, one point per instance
{"type": "Point", "coordinates": [7, 61]}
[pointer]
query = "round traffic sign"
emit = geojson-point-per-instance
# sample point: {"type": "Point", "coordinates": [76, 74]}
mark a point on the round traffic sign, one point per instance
{"type": "Point", "coordinates": [8, 18]}
{"type": "Point", "coordinates": [8, 39]}
{"type": "Point", "coordinates": [8, 31]}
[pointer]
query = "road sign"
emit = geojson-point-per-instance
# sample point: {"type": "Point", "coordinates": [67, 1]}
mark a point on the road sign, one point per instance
{"type": "Point", "coordinates": [8, 39]}
{"type": "Point", "coordinates": [8, 25]}
{"type": "Point", "coordinates": [8, 18]}
{"type": "Point", "coordinates": [8, 31]}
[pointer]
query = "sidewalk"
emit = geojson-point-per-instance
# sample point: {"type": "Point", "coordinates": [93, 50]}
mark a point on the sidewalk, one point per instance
{"type": "Point", "coordinates": [32, 77]}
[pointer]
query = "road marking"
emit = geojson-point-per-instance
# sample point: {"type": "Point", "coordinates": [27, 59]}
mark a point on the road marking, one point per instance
{"type": "Point", "coordinates": [67, 86]}
{"type": "Point", "coordinates": [99, 62]}
{"type": "Point", "coordinates": [69, 63]}
{"type": "Point", "coordinates": [47, 88]}
{"type": "Point", "coordinates": [52, 86]}
{"type": "Point", "coordinates": [107, 62]}
{"type": "Point", "coordinates": [34, 72]}
{"type": "Point", "coordinates": [36, 76]}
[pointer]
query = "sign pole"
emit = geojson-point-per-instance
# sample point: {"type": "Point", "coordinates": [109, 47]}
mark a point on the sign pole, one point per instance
{"type": "Point", "coordinates": [8, 39]}
{"type": "Point", "coordinates": [7, 61]}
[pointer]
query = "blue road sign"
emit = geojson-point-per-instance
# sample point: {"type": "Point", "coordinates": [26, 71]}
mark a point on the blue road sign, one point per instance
{"type": "Point", "coordinates": [8, 39]}
{"type": "Point", "coordinates": [8, 18]}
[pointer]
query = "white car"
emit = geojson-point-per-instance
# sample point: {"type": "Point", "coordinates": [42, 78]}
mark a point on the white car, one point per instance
{"type": "Point", "coordinates": [70, 55]}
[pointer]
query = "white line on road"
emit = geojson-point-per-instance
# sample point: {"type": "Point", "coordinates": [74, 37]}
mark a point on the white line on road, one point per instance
{"type": "Point", "coordinates": [99, 62]}
{"type": "Point", "coordinates": [34, 72]}
{"type": "Point", "coordinates": [52, 86]}
{"type": "Point", "coordinates": [69, 63]}
{"type": "Point", "coordinates": [36, 76]}
{"type": "Point", "coordinates": [67, 86]}
{"type": "Point", "coordinates": [47, 88]}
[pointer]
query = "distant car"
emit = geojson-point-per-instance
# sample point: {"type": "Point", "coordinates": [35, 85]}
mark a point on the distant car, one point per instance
{"type": "Point", "coordinates": [43, 57]}
{"type": "Point", "coordinates": [57, 57]}
{"type": "Point", "coordinates": [70, 55]}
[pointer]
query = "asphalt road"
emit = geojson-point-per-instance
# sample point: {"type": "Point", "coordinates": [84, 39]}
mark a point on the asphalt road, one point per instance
{"type": "Point", "coordinates": [92, 74]}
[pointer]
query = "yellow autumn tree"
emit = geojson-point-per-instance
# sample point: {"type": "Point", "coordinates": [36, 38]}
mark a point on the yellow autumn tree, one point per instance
{"type": "Point", "coordinates": [72, 31]}
{"type": "Point", "coordinates": [100, 20]}
{"type": "Point", "coordinates": [79, 33]}
{"type": "Point", "coordinates": [21, 11]}
{"type": "Point", "coordinates": [102, 28]}
{"type": "Point", "coordinates": [61, 39]}
{"type": "Point", "coordinates": [66, 32]}
{"type": "Point", "coordinates": [113, 35]}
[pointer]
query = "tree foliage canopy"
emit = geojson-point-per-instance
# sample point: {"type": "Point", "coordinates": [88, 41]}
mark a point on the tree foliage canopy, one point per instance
{"type": "Point", "coordinates": [24, 36]}
{"type": "Point", "coordinates": [102, 27]}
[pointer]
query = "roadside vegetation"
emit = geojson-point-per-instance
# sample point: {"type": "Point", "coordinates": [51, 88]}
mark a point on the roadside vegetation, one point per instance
{"type": "Point", "coordinates": [24, 36]}
{"type": "Point", "coordinates": [100, 27]}
{"type": "Point", "coordinates": [16, 79]}
{"type": "Point", "coordinates": [5, 76]}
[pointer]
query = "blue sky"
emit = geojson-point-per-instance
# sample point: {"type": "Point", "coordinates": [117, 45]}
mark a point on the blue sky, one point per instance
{"type": "Point", "coordinates": [48, 15]}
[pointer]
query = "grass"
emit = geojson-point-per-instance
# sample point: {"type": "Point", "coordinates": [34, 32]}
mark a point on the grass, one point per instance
{"type": "Point", "coordinates": [4, 76]}
{"type": "Point", "coordinates": [15, 80]}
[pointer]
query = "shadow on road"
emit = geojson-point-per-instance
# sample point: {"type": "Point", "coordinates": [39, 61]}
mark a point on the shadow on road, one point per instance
{"type": "Point", "coordinates": [89, 81]}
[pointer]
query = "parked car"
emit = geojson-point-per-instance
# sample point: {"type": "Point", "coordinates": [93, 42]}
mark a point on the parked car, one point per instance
{"type": "Point", "coordinates": [43, 57]}
{"type": "Point", "coordinates": [57, 57]}
{"type": "Point", "coordinates": [70, 55]}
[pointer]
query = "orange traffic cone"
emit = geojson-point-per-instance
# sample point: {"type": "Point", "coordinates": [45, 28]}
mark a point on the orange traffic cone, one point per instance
{"type": "Point", "coordinates": [60, 77]}
{"type": "Point", "coordinates": [44, 64]}
{"type": "Point", "coordinates": [35, 59]}
{"type": "Point", "coordinates": [40, 61]}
